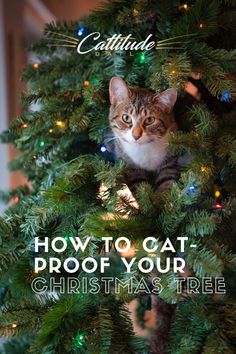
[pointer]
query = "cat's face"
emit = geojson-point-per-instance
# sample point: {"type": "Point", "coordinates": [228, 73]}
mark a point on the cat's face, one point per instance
{"type": "Point", "coordinates": [140, 116]}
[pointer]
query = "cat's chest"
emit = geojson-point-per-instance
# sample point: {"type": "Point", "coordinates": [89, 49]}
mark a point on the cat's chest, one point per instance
{"type": "Point", "coordinates": [146, 156]}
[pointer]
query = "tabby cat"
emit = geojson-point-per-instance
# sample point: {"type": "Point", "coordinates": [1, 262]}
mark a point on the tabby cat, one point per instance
{"type": "Point", "coordinates": [141, 120]}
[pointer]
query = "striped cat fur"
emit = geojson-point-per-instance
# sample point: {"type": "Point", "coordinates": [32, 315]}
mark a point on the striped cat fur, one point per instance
{"type": "Point", "coordinates": [141, 120]}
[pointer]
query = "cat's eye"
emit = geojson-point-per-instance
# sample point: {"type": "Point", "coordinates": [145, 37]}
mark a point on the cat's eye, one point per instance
{"type": "Point", "coordinates": [126, 118]}
{"type": "Point", "coordinates": [149, 121]}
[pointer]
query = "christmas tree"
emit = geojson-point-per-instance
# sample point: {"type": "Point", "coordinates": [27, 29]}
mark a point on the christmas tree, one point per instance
{"type": "Point", "coordinates": [75, 183]}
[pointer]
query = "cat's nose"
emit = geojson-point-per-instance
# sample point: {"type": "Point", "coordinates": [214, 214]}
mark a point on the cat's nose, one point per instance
{"type": "Point", "coordinates": [137, 132]}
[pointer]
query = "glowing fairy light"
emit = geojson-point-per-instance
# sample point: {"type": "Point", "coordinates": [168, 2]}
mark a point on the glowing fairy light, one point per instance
{"type": "Point", "coordinates": [103, 149]}
{"type": "Point", "coordinates": [80, 31]}
{"type": "Point", "coordinates": [86, 83]}
{"type": "Point", "coordinates": [142, 58]}
{"type": "Point", "coordinates": [41, 143]}
{"type": "Point", "coordinates": [60, 123]}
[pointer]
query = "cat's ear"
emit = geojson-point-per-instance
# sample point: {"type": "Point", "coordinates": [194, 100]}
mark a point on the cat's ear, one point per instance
{"type": "Point", "coordinates": [167, 99]}
{"type": "Point", "coordinates": [118, 90]}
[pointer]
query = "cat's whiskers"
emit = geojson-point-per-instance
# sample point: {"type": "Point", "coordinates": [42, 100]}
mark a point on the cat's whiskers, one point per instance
{"type": "Point", "coordinates": [108, 140]}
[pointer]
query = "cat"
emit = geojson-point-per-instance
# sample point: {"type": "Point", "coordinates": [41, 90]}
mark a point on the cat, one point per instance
{"type": "Point", "coordinates": [141, 120]}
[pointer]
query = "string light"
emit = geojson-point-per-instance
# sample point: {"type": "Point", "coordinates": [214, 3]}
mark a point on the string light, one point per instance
{"type": "Point", "coordinates": [142, 58]}
{"type": "Point", "coordinates": [78, 341]}
{"type": "Point", "coordinates": [50, 130]}
{"type": "Point", "coordinates": [16, 199]}
{"type": "Point", "coordinates": [13, 200]}
{"type": "Point", "coordinates": [41, 143]}
{"type": "Point", "coordinates": [218, 206]}
{"type": "Point", "coordinates": [217, 194]}
{"type": "Point", "coordinates": [183, 7]}
{"type": "Point", "coordinates": [60, 123]}
{"type": "Point", "coordinates": [203, 169]}
{"type": "Point", "coordinates": [103, 149]}
{"type": "Point", "coordinates": [81, 337]}
{"type": "Point", "coordinates": [67, 238]}
{"type": "Point", "coordinates": [24, 126]}
{"type": "Point", "coordinates": [201, 25]}
{"type": "Point", "coordinates": [192, 189]}
{"type": "Point", "coordinates": [34, 157]}
{"type": "Point", "coordinates": [36, 65]}
{"type": "Point", "coordinates": [225, 97]}
{"type": "Point", "coordinates": [80, 31]}
{"type": "Point", "coordinates": [14, 325]}
{"type": "Point", "coordinates": [135, 12]}
{"type": "Point", "coordinates": [86, 83]}
{"type": "Point", "coordinates": [152, 255]}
